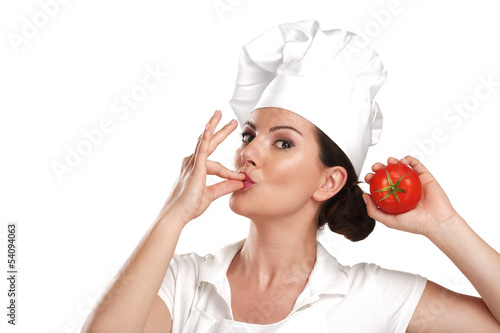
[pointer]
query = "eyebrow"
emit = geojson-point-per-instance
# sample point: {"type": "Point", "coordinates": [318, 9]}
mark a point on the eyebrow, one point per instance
{"type": "Point", "coordinates": [272, 129]}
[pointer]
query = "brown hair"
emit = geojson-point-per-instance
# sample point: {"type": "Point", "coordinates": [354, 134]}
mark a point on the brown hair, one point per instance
{"type": "Point", "coordinates": [345, 213]}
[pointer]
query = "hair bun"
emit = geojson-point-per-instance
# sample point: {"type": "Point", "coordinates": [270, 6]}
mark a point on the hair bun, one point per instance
{"type": "Point", "coordinates": [345, 212]}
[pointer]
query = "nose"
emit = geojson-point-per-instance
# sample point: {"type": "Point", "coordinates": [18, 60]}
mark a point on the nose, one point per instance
{"type": "Point", "coordinates": [248, 154]}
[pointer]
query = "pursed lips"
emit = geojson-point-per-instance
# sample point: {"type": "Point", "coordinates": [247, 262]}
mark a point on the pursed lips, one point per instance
{"type": "Point", "coordinates": [247, 182]}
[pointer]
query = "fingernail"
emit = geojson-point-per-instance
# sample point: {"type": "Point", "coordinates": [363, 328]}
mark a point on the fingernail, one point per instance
{"type": "Point", "coordinates": [216, 113]}
{"type": "Point", "coordinates": [365, 200]}
{"type": "Point", "coordinates": [232, 121]}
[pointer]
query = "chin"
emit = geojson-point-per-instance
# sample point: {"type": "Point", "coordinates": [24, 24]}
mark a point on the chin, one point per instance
{"type": "Point", "coordinates": [240, 204]}
{"type": "Point", "coordinates": [235, 204]}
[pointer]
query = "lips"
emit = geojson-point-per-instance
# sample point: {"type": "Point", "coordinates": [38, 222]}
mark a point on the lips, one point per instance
{"type": "Point", "coordinates": [247, 182]}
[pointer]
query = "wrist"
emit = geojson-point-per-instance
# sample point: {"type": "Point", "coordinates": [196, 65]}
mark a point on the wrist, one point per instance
{"type": "Point", "coordinates": [444, 230]}
{"type": "Point", "coordinates": [172, 216]}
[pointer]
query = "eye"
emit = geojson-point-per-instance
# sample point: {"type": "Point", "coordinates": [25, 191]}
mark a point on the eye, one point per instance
{"type": "Point", "coordinates": [284, 144]}
{"type": "Point", "coordinates": [246, 137]}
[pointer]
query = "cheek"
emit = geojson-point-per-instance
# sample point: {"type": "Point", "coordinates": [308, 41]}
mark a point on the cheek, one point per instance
{"type": "Point", "coordinates": [295, 175]}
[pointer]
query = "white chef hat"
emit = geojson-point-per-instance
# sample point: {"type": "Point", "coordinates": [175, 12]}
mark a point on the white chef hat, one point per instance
{"type": "Point", "coordinates": [328, 77]}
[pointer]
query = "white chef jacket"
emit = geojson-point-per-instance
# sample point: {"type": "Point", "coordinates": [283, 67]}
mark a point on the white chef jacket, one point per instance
{"type": "Point", "coordinates": [362, 298]}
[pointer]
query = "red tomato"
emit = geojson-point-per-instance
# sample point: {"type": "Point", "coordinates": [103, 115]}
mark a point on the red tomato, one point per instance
{"type": "Point", "coordinates": [396, 188]}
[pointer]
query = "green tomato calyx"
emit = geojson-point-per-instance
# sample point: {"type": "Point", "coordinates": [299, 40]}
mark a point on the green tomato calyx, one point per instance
{"type": "Point", "coordinates": [392, 188]}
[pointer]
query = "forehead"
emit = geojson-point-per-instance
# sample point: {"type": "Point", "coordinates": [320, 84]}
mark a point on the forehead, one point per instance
{"type": "Point", "coordinates": [270, 116]}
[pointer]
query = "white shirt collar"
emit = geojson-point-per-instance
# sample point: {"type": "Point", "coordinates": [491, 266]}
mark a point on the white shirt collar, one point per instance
{"type": "Point", "coordinates": [327, 276]}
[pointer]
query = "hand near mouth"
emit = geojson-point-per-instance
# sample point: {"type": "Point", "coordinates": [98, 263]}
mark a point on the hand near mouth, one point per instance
{"type": "Point", "coordinates": [191, 196]}
{"type": "Point", "coordinates": [247, 182]}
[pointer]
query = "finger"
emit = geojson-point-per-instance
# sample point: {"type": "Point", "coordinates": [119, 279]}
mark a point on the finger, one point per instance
{"type": "Point", "coordinates": [221, 135]}
{"type": "Point", "coordinates": [375, 212]}
{"type": "Point", "coordinates": [201, 155]}
{"type": "Point", "coordinates": [217, 169]}
{"type": "Point", "coordinates": [392, 160]}
{"type": "Point", "coordinates": [214, 121]}
{"type": "Point", "coordinates": [228, 186]}
{"type": "Point", "coordinates": [415, 164]}
{"type": "Point", "coordinates": [377, 166]}
{"type": "Point", "coordinates": [198, 143]}
{"type": "Point", "coordinates": [369, 177]}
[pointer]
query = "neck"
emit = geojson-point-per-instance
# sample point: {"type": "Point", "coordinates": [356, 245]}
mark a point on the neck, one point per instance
{"type": "Point", "coordinates": [278, 251]}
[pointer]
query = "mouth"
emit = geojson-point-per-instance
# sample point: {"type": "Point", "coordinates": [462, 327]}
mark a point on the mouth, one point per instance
{"type": "Point", "coordinates": [247, 182]}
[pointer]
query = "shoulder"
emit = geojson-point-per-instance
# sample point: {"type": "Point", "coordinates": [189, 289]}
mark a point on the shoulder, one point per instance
{"type": "Point", "coordinates": [209, 267]}
{"type": "Point", "coordinates": [188, 262]}
{"type": "Point", "coordinates": [364, 279]}
{"type": "Point", "coordinates": [361, 272]}
{"type": "Point", "coordinates": [190, 276]}
{"type": "Point", "coordinates": [380, 276]}
{"type": "Point", "coordinates": [389, 296]}
{"type": "Point", "coordinates": [182, 277]}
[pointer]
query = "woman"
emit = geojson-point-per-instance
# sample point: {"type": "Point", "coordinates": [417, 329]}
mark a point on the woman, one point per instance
{"type": "Point", "coordinates": [290, 179]}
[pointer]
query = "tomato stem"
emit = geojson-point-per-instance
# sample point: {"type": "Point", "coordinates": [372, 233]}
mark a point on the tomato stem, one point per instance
{"type": "Point", "coordinates": [393, 188]}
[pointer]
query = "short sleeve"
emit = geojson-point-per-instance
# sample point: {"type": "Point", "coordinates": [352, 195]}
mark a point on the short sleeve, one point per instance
{"type": "Point", "coordinates": [400, 293]}
{"type": "Point", "coordinates": [179, 287]}
{"type": "Point", "coordinates": [167, 288]}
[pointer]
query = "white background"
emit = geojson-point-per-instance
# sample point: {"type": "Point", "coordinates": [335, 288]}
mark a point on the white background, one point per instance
{"type": "Point", "coordinates": [66, 75]}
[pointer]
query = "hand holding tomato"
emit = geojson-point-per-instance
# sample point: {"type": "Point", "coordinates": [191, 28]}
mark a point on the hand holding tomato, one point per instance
{"type": "Point", "coordinates": [433, 208]}
{"type": "Point", "coordinates": [396, 188]}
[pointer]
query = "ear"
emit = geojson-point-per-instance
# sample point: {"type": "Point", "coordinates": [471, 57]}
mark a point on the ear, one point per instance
{"type": "Point", "coordinates": [333, 181]}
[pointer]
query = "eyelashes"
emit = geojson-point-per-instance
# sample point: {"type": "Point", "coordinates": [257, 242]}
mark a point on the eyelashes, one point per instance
{"type": "Point", "coordinates": [282, 144]}
{"type": "Point", "coordinates": [246, 137]}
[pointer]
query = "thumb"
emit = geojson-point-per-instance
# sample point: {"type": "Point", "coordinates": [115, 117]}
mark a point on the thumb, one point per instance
{"type": "Point", "coordinates": [374, 211]}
